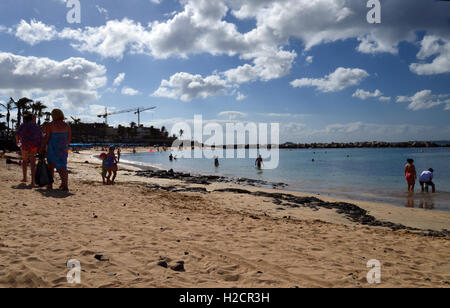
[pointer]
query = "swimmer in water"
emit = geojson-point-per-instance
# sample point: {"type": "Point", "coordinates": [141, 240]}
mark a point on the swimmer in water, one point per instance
{"type": "Point", "coordinates": [259, 162]}
{"type": "Point", "coordinates": [216, 162]}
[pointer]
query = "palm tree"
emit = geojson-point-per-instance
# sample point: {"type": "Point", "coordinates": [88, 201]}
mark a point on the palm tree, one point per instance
{"type": "Point", "coordinates": [9, 106]}
{"type": "Point", "coordinates": [22, 105]}
{"type": "Point", "coordinates": [38, 109]}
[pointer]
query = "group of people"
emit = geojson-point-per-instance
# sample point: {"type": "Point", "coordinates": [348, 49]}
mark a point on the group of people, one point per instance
{"type": "Point", "coordinates": [425, 179]}
{"type": "Point", "coordinates": [52, 141]}
{"type": "Point", "coordinates": [110, 165]}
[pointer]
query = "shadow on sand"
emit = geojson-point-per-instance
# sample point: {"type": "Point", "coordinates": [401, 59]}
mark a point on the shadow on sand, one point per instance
{"type": "Point", "coordinates": [23, 186]}
{"type": "Point", "coordinates": [58, 194]}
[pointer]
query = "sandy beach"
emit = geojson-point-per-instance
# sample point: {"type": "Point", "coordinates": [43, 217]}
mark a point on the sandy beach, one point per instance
{"type": "Point", "coordinates": [225, 239]}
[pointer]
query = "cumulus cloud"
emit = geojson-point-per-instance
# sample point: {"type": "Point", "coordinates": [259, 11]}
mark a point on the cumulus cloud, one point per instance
{"type": "Point", "coordinates": [72, 82]}
{"type": "Point", "coordinates": [425, 100]}
{"type": "Point", "coordinates": [130, 91]}
{"type": "Point", "coordinates": [35, 32]}
{"type": "Point", "coordinates": [187, 87]}
{"type": "Point", "coordinates": [433, 45]}
{"type": "Point", "coordinates": [201, 27]}
{"type": "Point", "coordinates": [361, 94]}
{"type": "Point", "coordinates": [340, 79]}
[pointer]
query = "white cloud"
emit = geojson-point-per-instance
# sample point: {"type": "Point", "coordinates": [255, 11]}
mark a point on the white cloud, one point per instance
{"type": "Point", "coordinates": [119, 79]}
{"type": "Point", "coordinates": [187, 87]}
{"type": "Point", "coordinates": [309, 59]}
{"type": "Point", "coordinates": [433, 45]}
{"type": "Point", "coordinates": [103, 11]}
{"type": "Point", "coordinates": [233, 115]}
{"type": "Point", "coordinates": [130, 91]}
{"type": "Point", "coordinates": [284, 115]}
{"type": "Point", "coordinates": [361, 94]}
{"type": "Point", "coordinates": [424, 100]}
{"type": "Point", "coordinates": [72, 82]}
{"type": "Point", "coordinates": [240, 96]}
{"type": "Point", "coordinates": [35, 32]}
{"type": "Point", "coordinates": [340, 79]}
{"type": "Point", "coordinates": [385, 99]}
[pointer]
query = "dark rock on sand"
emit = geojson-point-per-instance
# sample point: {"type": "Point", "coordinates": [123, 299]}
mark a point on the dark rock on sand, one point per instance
{"type": "Point", "coordinates": [101, 258]}
{"type": "Point", "coordinates": [179, 267]}
{"type": "Point", "coordinates": [204, 179]}
{"type": "Point", "coordinates": [163, 264]}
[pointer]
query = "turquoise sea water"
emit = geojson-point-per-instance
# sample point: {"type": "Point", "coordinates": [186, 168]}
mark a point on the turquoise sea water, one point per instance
{"type": "Point", "coordinates": [358, 174]}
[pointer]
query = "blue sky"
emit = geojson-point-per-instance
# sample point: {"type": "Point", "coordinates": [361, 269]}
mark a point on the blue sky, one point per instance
{"type": "Point", "coordinates": [319, 69]}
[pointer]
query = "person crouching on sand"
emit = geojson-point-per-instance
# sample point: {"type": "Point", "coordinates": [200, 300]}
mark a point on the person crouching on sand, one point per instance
{"type": "Point", "coordinates": [104, 171]}
{"type": "Point", "coordinates": [426, 180]}
{"type": "Point", "coordinates": [410, 174]}
{"type": "Point", "coordinates": [111, 166]}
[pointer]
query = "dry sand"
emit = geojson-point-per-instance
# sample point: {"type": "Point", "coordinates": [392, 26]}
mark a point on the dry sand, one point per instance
{"type": "Point", "coordinates": [225, 240]}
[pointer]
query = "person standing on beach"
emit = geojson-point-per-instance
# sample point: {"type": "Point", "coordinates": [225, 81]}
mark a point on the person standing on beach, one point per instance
{"type": "Point", "coordinates": [426, 179]}
{"type": "Point", "coordinates": [111, 166]}
{"type": "Point", "coordinates": [29, 140]}
{"type": "Point", "coordinates": [57, 139]}
{"type": "Point", "coordinates": [410, 174]}
{"type": "Point", "coordinates": [118, 154]}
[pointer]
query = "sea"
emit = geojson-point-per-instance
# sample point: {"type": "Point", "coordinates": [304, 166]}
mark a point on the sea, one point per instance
{"type": "Point", "coordinates": [356, 174]}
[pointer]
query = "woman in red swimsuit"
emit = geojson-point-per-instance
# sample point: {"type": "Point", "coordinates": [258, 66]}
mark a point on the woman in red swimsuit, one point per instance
{"type": "Point", "coordinates": [410, 174]}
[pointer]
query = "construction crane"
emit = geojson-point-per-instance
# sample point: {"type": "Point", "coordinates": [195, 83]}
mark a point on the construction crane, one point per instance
{"type": "Point", "coordinates": [137, 111]}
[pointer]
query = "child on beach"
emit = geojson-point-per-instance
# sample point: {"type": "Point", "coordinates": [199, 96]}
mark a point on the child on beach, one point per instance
{"type": "Point", "coordinates": [111, 166]}
{"type": "Point", "coordinates": [104, 171]}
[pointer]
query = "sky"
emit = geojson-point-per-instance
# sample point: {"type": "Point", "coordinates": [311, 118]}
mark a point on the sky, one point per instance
{"type": "Point", "coordinates": [318, 68]}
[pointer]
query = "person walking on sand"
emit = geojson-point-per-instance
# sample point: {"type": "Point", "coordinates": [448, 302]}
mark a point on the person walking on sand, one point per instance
{"type": "Point", "coordinates": [29, 140]}
{"type": "Point", "coordinates": [111, 166]}
{"type": "Point", "coordinates": [426, 180]}
{"type": "Point", "coordinates": [259, 162]}
{"type": "Point", "coordinates": [57, 139]}
{"type": "Point", "coordinates": [410, 174]}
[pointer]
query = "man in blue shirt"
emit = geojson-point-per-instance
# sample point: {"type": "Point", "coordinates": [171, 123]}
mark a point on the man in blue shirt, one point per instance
{"type": "Point", "coordinates": [426, 179]}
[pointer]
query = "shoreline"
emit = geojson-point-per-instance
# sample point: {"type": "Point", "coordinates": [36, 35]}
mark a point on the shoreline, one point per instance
{"type": "Point", "coordinates": [401, 199]}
